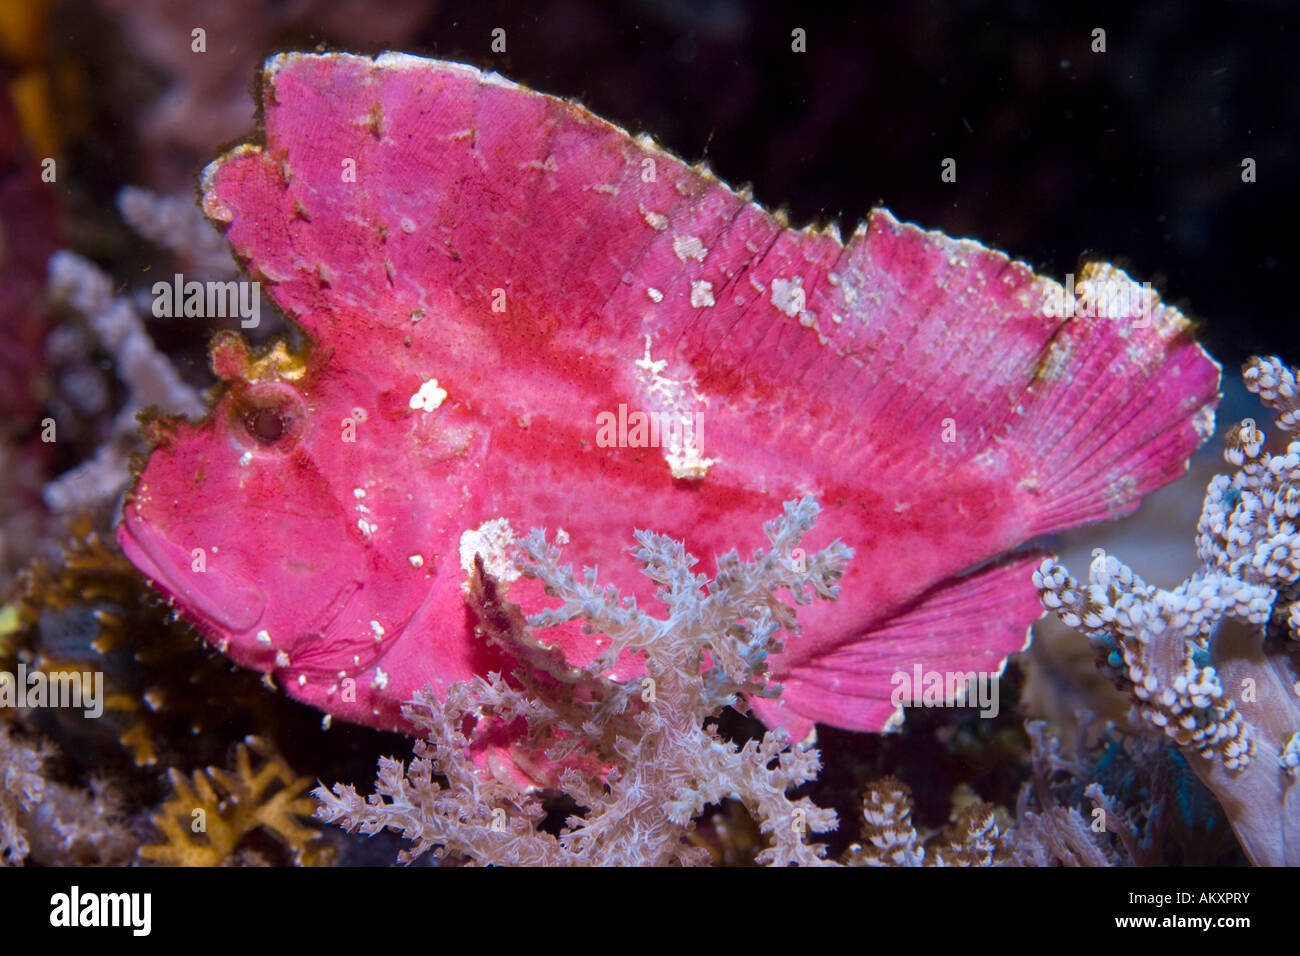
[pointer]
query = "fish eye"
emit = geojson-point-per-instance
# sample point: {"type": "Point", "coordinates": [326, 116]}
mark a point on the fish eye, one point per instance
{"type": "Point", "coordinates": [266, 416]}
{"type": "Point", "coordinates": [267, 425]}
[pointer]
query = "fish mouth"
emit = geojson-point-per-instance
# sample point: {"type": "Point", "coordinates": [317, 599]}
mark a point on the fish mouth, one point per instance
{"type": "Point", "coordinates": [224, 603]}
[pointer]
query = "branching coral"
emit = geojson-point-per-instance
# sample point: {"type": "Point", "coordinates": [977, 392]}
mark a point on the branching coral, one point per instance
{"type": "Point", "coordinates": [49, 822]}
{"type": "Point", "coordinates": [659, 764]}
{"type": "Point", "coordinates": [1122, 798]}
{"type": "Point", "coordinates": [889, 837]}
{"type": "Point", "coordinates": [1117, 799]}
{"type": "Point", "coordinates": [21, 788]}
{"type": "Point", "coordinates": [1050, 831]}
{"type": "Point", "coordinates": [1208, 662]}
{"type": "Point", "coordinates": [151, 376]}
{"type": "Point", "coordinates": [76, 826]}
{"type": "Point", "coordinates": [210, 814]}
{"type": "Point", "coordinates": [973, 839]}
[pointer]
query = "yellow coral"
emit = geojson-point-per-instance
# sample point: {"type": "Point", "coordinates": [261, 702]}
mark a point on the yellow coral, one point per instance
{"type": "Point", "coordinates": [211, 812]}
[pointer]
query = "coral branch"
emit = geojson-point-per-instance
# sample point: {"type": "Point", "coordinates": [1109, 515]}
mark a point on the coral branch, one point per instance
{"type": "Point", "coordinates": [1209, 662]}
{"type": "Point", "coordinates": [209, 813]}
{"type": "Point", "coordinates": [637, 756]}
{"type": "Point", "coordinates": [50, 823]}
{"type": "Point", "coordinates": [149, 374]}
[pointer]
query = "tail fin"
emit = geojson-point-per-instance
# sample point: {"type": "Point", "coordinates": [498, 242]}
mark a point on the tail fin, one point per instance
{"type": "Point", "coordinates": [1118, 404]}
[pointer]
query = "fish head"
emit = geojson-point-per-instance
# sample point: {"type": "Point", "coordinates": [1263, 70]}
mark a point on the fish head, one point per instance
{"type": "Point", "coordinates": [296, 543]}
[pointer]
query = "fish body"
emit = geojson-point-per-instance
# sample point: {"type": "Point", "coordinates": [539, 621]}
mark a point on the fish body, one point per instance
{"type": "Point", "coordinates": [495, 284]}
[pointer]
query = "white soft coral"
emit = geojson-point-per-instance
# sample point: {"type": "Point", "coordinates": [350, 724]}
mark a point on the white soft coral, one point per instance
{"type": "Point", "coordinates": [661, 763]}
